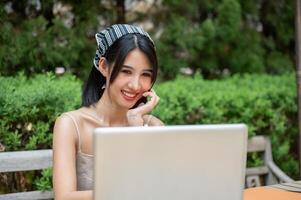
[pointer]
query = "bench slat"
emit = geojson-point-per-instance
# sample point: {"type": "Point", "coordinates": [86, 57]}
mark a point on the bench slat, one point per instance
{"type": "Point", "coordinates": [25, 160]}
{"type": "Point", "coordinates": [251, 171]}
{"type": "Point", "coordinates": [256, 144]}
{"type": "Point", "coordinates": [33, 195]}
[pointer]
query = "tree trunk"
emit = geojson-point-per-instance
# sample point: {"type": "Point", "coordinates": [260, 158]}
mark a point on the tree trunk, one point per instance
{"type": "Point", "coordinates": [298, 74]}
{"type": "Point", "coordinates": [120, 11]}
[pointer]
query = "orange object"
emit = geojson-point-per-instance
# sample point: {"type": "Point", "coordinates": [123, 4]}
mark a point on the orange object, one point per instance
{"type": "Point", "coordinates": [266, 193]}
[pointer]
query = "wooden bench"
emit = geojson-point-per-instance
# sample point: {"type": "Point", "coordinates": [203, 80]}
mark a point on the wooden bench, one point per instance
{"type": "Point", "coordinates": [41, 159]}
{"type": "Point", "coordinates": [26, 161]}
{"type": "Point", "coordinates": [270, 173]}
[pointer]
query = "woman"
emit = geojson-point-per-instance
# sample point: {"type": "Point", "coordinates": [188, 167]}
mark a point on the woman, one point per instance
{"type": "Point", "coordinates": [125, 68]}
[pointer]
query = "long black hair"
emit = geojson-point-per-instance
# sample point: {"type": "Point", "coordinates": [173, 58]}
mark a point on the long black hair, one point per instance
{"type": "Point", "coordinates": [116, 54]}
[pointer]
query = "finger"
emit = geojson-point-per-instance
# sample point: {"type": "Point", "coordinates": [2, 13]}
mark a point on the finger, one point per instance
{"type": "Point", "coordinates": [153, 91]}
{"type": "Point", "coordinates": [154, 98]}
{"type": "Point", "coordinates": [157, 100]}
{"type": "Point", "coordinates": [146, 108]}
{"type": "Point", "coordinates": [149, 105]}
{"type": "Point", "coordinates": [150, 94]}
{"type": "Point", "coordinates": [141, 104]}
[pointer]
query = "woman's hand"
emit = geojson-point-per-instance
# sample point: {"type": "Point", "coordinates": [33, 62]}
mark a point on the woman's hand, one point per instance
{"type": "Point", "coordinates": [135, 115]}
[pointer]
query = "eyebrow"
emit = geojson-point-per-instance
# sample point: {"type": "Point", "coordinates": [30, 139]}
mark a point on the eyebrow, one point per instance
{"type": "Point", "coordinates": [130, 67]}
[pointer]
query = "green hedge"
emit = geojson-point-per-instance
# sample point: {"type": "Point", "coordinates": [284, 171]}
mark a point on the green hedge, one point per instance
{"type": "Point", "coordinates": [29, 107]}
{"type": "Point", "coordinates": [267, 104]}
{"type": "Point", "coordinates": [28, 110]}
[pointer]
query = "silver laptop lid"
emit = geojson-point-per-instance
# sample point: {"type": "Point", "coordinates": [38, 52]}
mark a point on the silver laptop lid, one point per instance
{"type": "Point", "coordinates": [171, 162]}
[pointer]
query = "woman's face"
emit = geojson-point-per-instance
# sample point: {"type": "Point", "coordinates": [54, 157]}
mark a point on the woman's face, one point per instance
{"type": "Point", "coordinates": [134, 78]}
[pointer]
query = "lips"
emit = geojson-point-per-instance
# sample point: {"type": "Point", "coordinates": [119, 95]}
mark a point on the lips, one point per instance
{"type": "Point", "coordinates": [129, 95]}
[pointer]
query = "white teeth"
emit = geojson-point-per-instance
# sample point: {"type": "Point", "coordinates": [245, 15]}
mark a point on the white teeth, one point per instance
{"type": "Point", "coordinates": [128, 94]}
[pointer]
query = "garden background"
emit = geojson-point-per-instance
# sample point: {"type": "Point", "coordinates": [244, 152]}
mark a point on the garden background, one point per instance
{"type": "Point", "coordinates": [221, 61]}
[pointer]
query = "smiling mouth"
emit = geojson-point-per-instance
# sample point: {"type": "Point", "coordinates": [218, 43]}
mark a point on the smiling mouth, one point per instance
{"type": "Point", "coordinates": [128, 95]}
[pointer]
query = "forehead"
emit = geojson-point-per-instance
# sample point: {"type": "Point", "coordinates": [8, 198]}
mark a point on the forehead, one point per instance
{"type": "Point", "coordinates": [137, 59]}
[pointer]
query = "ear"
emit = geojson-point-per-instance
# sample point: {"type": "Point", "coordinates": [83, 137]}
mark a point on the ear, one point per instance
{"type": "Point", "coordinates": [103, 67]}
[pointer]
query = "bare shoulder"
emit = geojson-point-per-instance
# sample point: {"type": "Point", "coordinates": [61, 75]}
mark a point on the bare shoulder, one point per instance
{"type": "Point", "coordinates": [151, 120]}
{"type": "Point", "coordinates": [65, 125]}
{"type": "Point", "coordinates": [64, 119]}
{"type": "Point", "coordinates": [68, 118]}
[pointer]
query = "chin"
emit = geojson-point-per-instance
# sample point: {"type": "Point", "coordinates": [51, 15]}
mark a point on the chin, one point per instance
{"type": "Point", "coordinates": [128, 105]}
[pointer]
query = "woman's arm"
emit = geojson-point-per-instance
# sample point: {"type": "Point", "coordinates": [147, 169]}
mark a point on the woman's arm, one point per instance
{"type": "Point", "coordinates": [64, 159]}
{"type": "Point", "coordinates": [151, 120]}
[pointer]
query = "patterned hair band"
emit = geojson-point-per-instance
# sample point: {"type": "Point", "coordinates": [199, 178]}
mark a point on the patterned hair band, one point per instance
{"type": "Point", "coordinates": [107, 37]}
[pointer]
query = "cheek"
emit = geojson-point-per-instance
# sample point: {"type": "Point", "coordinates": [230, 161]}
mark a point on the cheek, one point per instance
{"type": "Point", "coordinates": [120, 80]}
{"type": "Point", "coordinates": [146, 84]}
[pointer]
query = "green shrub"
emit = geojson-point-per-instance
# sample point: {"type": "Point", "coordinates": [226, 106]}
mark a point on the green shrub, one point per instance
{"type": "Point", "coordinates": [44, 182]}
{"type": "Point", "coordinates": [28, 110]}
{"type": "Point", "coordinates": [36, 48]}
{"type": "Point", "coordinates": [267, 104]}
{"type": "Point", "coordinates": [29, 107]}
{"type": "Point", "coordinates": [233, 36]}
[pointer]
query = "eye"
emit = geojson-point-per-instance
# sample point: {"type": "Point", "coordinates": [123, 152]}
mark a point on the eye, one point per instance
{"type": "Point", "coordinates": [126, 71]}
{"type": "Point", "coordinates": [147, 74]}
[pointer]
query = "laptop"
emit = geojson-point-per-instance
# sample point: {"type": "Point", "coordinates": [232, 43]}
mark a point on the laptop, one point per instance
{"type": "Point", "coordinates": [182, 162]}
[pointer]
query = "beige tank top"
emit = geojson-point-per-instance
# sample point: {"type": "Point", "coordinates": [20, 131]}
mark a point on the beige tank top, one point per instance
{"type": "Point", "coordinates": [84, 164]}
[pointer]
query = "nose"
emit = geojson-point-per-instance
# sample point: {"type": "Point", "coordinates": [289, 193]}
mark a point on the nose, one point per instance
{"type": "Point", "coordinates": [134, 83]}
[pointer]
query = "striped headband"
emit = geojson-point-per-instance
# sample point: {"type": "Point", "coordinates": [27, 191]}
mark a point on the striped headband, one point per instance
{"type": "Point", "coordinates": [107, 37]}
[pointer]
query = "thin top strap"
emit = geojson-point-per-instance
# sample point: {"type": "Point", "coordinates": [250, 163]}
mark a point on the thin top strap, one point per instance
{"type": "Point", "coordinates": [77, 130]}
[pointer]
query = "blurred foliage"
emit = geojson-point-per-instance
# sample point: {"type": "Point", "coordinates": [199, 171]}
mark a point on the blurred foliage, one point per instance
{"type": "Point", "coordinates": [267, 104]}
{"type": "Point", "coordinates": [38, 39]}
{"type": "Point", "coordinates": [212, 37]}
{"type": "Point", "coordinates": [218, 37]}
{"type": "Point", "coordinates": [29, 107]}
{"type": "Point", "coordinates": [44, 182]}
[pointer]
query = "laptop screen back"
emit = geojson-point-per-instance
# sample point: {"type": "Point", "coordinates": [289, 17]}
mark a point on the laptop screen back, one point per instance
{"type": "Point", "coordinates": [171, 162]}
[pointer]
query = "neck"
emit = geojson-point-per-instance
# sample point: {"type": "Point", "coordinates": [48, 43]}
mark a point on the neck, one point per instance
{"type": "Point", "coordinates": [109, 113]}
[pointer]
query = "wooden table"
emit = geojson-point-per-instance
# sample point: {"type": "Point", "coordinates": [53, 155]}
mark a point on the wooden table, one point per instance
{"type": "Point", "coordinates": [269, 193]}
